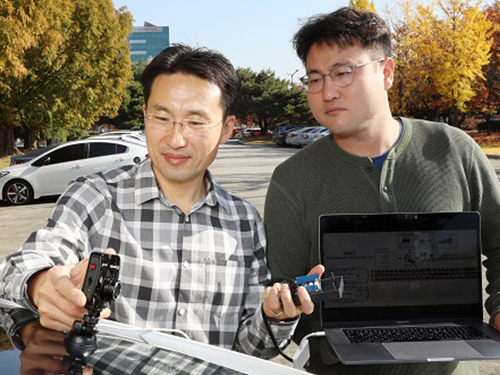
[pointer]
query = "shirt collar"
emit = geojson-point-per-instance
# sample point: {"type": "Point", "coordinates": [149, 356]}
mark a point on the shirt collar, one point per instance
{"type": "Point", "coordinates": [146, 188]}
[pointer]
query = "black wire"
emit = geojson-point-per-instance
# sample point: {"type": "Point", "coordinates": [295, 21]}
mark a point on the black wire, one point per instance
{"type": "Point", "coordinates": [273, 339]}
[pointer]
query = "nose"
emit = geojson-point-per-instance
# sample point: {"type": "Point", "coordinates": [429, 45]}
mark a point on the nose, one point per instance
{"type": "Point", "coordinates": [175, 137]}
{"type": "Point", "coordinates": [330, 90]}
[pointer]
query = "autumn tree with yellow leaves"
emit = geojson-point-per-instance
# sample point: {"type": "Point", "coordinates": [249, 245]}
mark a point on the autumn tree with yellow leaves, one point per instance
{"type": "Point", "coordinates": [440, 51]}
{"type": "Point", "coordinates": [63, 64]}
{"type": "Point", "coordinates": [363, 5]}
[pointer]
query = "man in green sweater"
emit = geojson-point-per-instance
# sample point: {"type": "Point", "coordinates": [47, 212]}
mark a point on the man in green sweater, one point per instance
{"type": "Point", "coordinates": [372, 162]}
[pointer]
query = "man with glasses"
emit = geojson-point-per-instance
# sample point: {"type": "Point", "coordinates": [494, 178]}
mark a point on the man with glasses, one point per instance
{"type": "Point", "coordinates": [372, 162]}
{"type": "Point", "coordinates": [192, 254]}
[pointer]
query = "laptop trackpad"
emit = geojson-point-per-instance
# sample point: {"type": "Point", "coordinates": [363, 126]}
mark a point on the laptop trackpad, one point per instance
{"type": "Point", "coordinates": [439, 350]}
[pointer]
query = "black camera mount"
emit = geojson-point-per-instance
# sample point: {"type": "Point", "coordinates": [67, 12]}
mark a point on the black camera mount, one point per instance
{"type": "Point", "coordinates": [101, 286]}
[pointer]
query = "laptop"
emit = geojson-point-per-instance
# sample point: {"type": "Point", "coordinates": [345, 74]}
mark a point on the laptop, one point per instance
{"type": "Point", "coordinates": [412, 288]}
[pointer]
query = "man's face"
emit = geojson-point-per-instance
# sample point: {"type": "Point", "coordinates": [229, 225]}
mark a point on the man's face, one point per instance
{"type": "Point", "coordinates": [178, 154]}
{"type": "Point", "coordinates": [348, 110]}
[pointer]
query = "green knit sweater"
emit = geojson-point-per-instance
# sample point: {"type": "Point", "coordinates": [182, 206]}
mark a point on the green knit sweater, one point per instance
{"type": "Point", "coordinates": [434, 167]}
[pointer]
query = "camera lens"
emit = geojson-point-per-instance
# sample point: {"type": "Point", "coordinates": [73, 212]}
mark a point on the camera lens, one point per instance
{"type": "Point", "coordinates": [111, 290]}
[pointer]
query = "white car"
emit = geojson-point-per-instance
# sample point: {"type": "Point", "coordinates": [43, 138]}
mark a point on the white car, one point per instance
{"type": "Point", "coordinates": [293, 137]}
{"type": "Point", "coordinates": [309, 137]}
{"type": "Point", "coordinates": [51, 172]}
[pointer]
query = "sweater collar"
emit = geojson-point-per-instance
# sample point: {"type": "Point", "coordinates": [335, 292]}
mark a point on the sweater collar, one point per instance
{"type": "Point", "coordinates": [366, 161]}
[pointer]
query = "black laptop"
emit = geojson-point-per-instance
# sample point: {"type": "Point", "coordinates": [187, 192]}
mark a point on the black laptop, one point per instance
{"type": "Point", "coordinates": [412, 288]}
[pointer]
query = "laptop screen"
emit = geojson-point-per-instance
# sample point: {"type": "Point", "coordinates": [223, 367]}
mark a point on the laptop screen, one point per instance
{"type": "Point", "coordinates": [403, 267]}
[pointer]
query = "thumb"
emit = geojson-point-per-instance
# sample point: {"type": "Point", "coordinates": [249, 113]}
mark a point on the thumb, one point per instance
{"type": "Point", "coordinates": [319, 269]}
{"type": "Point", "coordinates": [109, 251]}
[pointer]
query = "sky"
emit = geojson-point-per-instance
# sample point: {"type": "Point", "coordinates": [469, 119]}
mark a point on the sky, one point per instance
{"type": "Point", "coordinates": [253, 34]}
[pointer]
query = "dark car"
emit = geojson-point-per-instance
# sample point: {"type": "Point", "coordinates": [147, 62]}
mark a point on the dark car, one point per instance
{"type": "Point", "coordinates": [279, 134]}
{"type": "Point", "coordinates": [21, 159]}
{"type": "Point", "coordinates": [492, 127]}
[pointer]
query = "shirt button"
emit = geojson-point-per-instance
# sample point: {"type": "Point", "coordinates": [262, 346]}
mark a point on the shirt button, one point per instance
{"type": "Point", "coordinates": [385, 189]}
{"type": "Point", "coordinates": [369, 169]}
{"type": "Point", "coordinates": [187, 219]}
{"type": "Point", "coordinates": [181, 312]}
{"type": "Point", "coordinates": [185, 264]}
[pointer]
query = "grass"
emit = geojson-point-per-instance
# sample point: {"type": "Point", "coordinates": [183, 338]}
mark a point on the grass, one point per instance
{"type": "Point", "coordinates": [4, 162]}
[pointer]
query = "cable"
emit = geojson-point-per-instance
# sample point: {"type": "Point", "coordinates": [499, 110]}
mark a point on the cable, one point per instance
{"type": "Point", "coordinates": [273, 339]}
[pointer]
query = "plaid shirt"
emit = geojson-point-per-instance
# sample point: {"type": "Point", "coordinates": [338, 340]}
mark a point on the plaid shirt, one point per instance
{"type": "Point", "coordinates": [203, 273]}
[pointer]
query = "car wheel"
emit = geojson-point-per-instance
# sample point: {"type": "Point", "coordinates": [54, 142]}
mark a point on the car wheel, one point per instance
{"type": "Point", "coordinates": [18, 192]}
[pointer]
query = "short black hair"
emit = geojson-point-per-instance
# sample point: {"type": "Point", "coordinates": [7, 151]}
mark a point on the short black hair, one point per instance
{"type": "Point", "coordinates": [200, 62]}
{"type": "Point", "coordinates": [344, 27]}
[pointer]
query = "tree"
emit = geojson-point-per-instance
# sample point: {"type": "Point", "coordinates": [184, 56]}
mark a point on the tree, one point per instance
{"type": "Point", "coordinates": [130, 113]}
{"type": "Point", "coordinates": [267, 100]}
{"type": "Point", "coordinates": [440, 51]}
{"type": "Point", "coordinates": [488, 100]}
{"type": "Point", "coordinates": [363, 5]}
{"type": "Point", "coordinates": [63, 64]}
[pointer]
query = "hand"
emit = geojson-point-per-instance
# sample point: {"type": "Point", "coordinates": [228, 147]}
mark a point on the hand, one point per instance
{"type": "Point", "coordinates": [44, 351]}
{"type": "Point", "coordinates": [278, 303]}
{"type": "Point", "coordinates": [496, 322]}
{"type": "Point", "coordinates": [57, 294]}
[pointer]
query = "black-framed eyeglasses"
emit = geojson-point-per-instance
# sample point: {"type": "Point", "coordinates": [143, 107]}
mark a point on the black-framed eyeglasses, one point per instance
{"type": "Point", "coordinates": [341, 75]}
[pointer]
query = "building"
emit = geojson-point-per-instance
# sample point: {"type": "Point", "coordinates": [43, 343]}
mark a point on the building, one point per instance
{"type": "Point", "coordinates": [148, 41]}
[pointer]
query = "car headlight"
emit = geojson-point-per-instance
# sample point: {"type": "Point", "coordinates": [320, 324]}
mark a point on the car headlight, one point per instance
{"type": "Point", "coordinates": [4, 173]}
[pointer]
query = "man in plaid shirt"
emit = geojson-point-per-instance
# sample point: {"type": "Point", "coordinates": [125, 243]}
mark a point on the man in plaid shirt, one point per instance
{"type": "Point", "coordinates": [192, 254]}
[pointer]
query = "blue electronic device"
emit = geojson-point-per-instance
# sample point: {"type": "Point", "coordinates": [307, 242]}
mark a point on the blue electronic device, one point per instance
{"type": "Point", "coordinates": [318, 289]}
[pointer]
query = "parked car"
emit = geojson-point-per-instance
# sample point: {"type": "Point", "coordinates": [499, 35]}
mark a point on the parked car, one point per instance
{"type": "Point", "coordinates": [50, 172]}
{"type": "Point", "coordinates": [494, 125]}
{"type": "Point", "coordinates": [118, 134]}
{"type": "Point", "coordinates": [237, 131]}
{"type": "Point", "coordinates": [308, 137]}
{"type": "Point", "coordinates": [293, 137]}
{"type": "Point", "coordinates": [279, 134]}
{"type": "Point", "coordinates": [321, 134]}
{"type": "Point", "coordinates": [252, 132]}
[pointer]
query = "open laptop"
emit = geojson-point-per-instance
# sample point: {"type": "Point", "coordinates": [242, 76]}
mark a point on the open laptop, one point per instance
{"type": "Point", "coordinates": [412, 288]}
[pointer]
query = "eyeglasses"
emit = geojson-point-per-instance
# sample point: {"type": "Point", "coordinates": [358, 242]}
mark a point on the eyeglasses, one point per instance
{"type": "Point", "coordinates": [165, 124]}
{"type": "Point", "coordinates": [341, 75]}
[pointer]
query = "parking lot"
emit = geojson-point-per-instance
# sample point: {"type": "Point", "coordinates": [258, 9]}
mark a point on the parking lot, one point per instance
{"type": "Point", "coordinates": [244, 170]}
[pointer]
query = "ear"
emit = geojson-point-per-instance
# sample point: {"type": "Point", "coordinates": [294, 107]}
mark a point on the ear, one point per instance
{"type": "Point", "coordinates": [144, 111]}
{"type": "Point", "coordinates": [227, 129]}
{"type": "Point", "coordinates": [388, 73]}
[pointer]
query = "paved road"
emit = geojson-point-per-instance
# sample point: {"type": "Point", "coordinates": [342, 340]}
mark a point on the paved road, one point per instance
{"type": "Point", "coordinates": [243, 170]}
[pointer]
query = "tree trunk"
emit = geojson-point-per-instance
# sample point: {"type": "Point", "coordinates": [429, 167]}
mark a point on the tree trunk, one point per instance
{"type": "Point", "coordinates": [7, 141]}
{"type": "Point", "coordinates": [454, 117]}
{"type": "Point", "coordinates": [29, 140]}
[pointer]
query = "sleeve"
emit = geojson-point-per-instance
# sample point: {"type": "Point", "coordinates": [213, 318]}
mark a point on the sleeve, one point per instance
{"type": "Point", "coordinates": [64, 240]}
{"type": "Point", "coordinates": [287, 239]}
{"type": "Point", "coordinates": [13, 320]}
{"type": "Point", "coordinates": [253, 337]}
{"type": "Point", "coordinates": [485, 197]}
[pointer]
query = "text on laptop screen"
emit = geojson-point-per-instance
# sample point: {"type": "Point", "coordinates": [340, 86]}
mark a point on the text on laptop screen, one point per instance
{"type": "Point", "coordinates": [402, 268]}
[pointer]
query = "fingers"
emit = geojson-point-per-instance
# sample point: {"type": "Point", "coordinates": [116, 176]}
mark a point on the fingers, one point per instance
{"type": "Point", "coordinates": [105, 313]}
{"type": "Point", "coordinates": [318, 269]}
{"type": "Point", "coordinates": [278, 302]}
{"type": "Point", "coordinates": [68, 290]}
{"type": "Point", "coordinates": [60, 299]}
{"type": "Point", "coordinates": [271, 301]}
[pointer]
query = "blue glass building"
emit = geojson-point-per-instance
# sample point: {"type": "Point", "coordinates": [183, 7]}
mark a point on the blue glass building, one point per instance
{"type": "Point", "coordinates": [148, 41]}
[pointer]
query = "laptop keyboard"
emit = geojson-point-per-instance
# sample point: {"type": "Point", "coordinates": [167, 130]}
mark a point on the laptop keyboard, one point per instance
{"type": "Point", "coordinates": [400, 334]}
